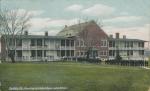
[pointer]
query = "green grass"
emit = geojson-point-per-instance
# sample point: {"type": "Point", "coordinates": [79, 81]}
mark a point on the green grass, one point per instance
{"type": "Point", "coordinates": [149, 63]}
{"type": "Point", "coordinates": [74, 76]}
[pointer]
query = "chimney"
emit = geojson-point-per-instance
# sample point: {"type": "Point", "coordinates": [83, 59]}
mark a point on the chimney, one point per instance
{"type": "Point", "coordinates": [25, 32]}
{"type": "Point", "coordinates": [67, 34]}
{"type": "Point", "coordinates": [65, 26]}
{"type": "Point", "coordinates": [124, 36]}
{"type": "Point", "coordinates": [46, 33]}
{"type": "Point", "coordinates": [110, 36]}
{"type": "Point", "coordinates": [70, 34]}
{"type": "Point", "coordinates": [117, 35]}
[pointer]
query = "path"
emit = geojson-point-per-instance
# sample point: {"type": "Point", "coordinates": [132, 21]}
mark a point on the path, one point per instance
{"type": "Point", "coordinates": [146, 68]}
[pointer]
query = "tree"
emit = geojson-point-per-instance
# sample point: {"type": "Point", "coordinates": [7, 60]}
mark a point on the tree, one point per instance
{"type": "Point", "coordinates": [91, 37]}
{"type": "Point", "coordinates": [12, 25]}
{"type": "Point", "coordinates": [118, 57]}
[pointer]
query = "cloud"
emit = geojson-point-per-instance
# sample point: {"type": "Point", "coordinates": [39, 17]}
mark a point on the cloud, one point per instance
{"type": "Point", "coordinates": [48, 24]}
{"type": "Point", "coordinates": [74, 7]}
{"type": "Point", "coordinates": [51, 32]}
{"type": "Point", "coordinates": [140, 32]}
{"type": "Point", "coordinates": [124, 19]}
{"type": "Point", "coordinates": [38, 23]}
{"type": "Point", "coordinates": [63, 22]}
{"type": "Point", "coordinates": [31, 12]}
{"type": "Point", "coordinates": [124, 13]}
{"type": "Point", "coordinates": [98, 10]}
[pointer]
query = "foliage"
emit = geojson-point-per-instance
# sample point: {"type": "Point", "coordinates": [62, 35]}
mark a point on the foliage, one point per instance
{"type": "Point", "coordinates": [12, 25]}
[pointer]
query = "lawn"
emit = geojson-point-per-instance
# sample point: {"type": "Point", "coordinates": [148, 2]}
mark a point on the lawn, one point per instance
{"type": "Point", "coordinates": [149, 63]}
{"type": "Point", "coordinates": [74, 76]}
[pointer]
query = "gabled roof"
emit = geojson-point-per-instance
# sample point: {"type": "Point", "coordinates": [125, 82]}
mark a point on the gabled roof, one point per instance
{"type": "Point", "coordinates": [74, 30]}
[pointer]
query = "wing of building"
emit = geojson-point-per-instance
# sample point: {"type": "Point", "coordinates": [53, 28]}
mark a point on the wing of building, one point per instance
{"type": "Point", "coordinates": [129, 49]}
{"type": "Point", "coordinates": [39, 48]}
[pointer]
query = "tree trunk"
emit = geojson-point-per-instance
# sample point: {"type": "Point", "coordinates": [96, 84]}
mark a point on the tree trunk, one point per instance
{"type": "Point", "coordinates": [88, 54]}
{"type": "Point", "coordinates": [13, 59]}
{"type": "Point", "coordinates": [11, 55]}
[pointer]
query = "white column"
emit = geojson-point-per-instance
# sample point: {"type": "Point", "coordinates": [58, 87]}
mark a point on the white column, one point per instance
{"type": "Point", "coordinates": [22, 50]}
{"type": "Point", "coordinates": [30, 50]}
{"type": "Point", "coordinates": [36, 49]}
{"type": "Point", "coordinates": [65, 48]}
{"type": "Point", "coordinates": [49, 58]}
{"type": "Point", "coordinates": [70, 47]}
{"type": "Point", "coordinates": [79, 47]}
{"type": "Point", "coordinates": [15, 49]}
{"type": "Point", "coordinates": [74, 47]}
{"type": "Point", "coordinates": [54, 48]}
{"type": "Point", "coordinates": [60, 47]}
{"type": "Point", "coordinates": [42, 48]}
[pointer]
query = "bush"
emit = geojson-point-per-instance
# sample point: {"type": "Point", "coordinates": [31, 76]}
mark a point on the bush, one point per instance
{"type": "Point", "coordinates": [81, 59]}
{"type": "Point", "coordinates": [128, 62]}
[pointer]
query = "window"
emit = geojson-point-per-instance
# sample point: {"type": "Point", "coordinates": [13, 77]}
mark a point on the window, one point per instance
{"type": "Point", "coordinates": [129, 53]}
{"type": "Point", "coordinates": [110, 44]}
{"type": "Point", "coordinates": [67, 42]}
{"type": "Point", "coordinates": [82, 53]}
{"type": "Point", "coordinates": [114, 43]}
{"type": "Point", "coordinates": [18, 42]}
{"type": "Point", "coordinates": [39, 53]}
{"type": "Point", "coordinates": [128, 44]}
{"type": "Point", "coordinates": [33, 53]}
{"type": "Point", "coordinates": [19, 53]}
{"type": "Point", "coordinates": [11, 43]}
{"type": "Point", "coordinates": [125, 44]}
{"type": "Point", "coordinates": [72, 42]}
{"type": "Point", "coordinates": [103, 53]}
{"type": "Point", "coordinates": [131, 44]}
{"type": "Point", "coordinates": [141, 44]}
{"type": "Point", "coordinates": [72, 53]}
{"type": "Point", "coordinates": [68, 53]}
{"type": "Point", "coordinates": [81, 43]}
{"type": "Point", "coordinates": [39, 42]}
{"type": "Point", "coordinates": [77, 43]}
{"type": "Point", "coordinates": [78, 53]}
{"type": "Point", "coordinates": [141, 52]}
{"type": "Point", "coordinates": [32, 42]}
{"type": "Point", "coordinates": [44, 53]}
{"type": "Point", "coordinates": [103, 43]}
{"type": "Point", "coordinates": [111, 53]}
{"type": "Point", "coordinates": [58, 53]}
{"type": "Point", "coordinates": [62, 53]}
{"type": "Point", "coordinates": [46, 42]}
{"type": "Point", "coordinates": [62, 42]}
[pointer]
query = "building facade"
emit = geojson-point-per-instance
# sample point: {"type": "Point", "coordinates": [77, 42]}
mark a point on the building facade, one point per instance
{"type": "Point", "coordinates": [129, 49]}
{"type": "Point", "coordinates": [88, 37]}
{"type": "Point", "coordinates": [74, 42]}
{"type": "Point", "coordinates": [41, 48]}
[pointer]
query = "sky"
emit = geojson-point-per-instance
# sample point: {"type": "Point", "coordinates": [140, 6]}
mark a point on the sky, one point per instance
{"type": "Point", "coordinates": [128, 17]}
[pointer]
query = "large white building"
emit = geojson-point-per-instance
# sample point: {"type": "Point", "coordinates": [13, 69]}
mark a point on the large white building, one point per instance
{"type": "Point", "coordinates": [41, 48]}
{"type": "Point", "coordinates": [69, 43]}
{"type": "Point", "coordinates": [129, 49]}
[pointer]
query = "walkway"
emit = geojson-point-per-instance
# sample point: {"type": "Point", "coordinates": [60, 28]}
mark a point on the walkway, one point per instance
{"type": "Point", "coordinates": [146, 68]}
